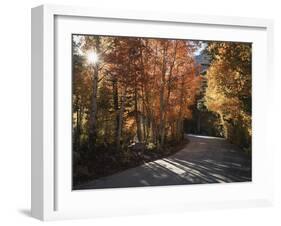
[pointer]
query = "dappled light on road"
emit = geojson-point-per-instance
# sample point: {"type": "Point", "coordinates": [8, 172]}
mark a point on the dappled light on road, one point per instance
{"type": "Point", "coordinates": [192, 165]}
{"type": "Point", "coordinates": [206, 137]}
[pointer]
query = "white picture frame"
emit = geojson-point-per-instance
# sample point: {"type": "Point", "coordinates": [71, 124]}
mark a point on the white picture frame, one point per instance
{"type": "Point", "coordinates": [48, 187]}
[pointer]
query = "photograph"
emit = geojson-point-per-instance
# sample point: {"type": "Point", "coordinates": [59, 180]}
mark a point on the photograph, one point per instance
{"type": "Point", "coordinates": [149, 111]}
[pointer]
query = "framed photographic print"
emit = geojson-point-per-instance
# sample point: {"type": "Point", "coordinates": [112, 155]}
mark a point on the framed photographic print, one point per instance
{"type": "Point", "coordinates": [137, 112]}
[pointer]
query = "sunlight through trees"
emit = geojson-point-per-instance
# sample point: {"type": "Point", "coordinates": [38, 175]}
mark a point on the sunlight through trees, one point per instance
{"type": "Point", "coordinates": [134, 98]}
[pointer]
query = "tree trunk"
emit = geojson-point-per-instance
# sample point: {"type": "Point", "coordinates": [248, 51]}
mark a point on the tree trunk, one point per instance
{"type": "Point", "coordinates": [76, 131]}
{"type": "Point", "coordinates": [180, 116]}
{"type": "Point", "coordinates": [154, 132]}
{"type": "Point", "coordinates": [169, 84]}
{"type": "Point", "coordinates": [137, 118]}
{"type": "Point", "coordinates": [162, 100]}
{"type": "Point", "coordinates": [120, 120]}
{"type": "Point", "coordinates": [199, 122]}
{"type": "Point", "coordinates": [144, 118]}
{"type": "Point", "coordinates": [93, 113]}
{"type": "Point", "coordinates": [180, 134]}
{"type": "Point", "coordinates": [116, 108]}
{"type": "Point", "coordinates": [162, 119]}
{"type": "Point", "coordinates": [79, 125]}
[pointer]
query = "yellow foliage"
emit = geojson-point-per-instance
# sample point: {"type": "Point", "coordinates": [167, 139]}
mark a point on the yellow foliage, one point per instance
{"type": "Point", "coordinates": [228, 90]}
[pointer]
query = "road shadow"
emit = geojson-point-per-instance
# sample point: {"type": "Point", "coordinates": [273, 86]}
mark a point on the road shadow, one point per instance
{"type": "Point", "coordinates": [202, 161]}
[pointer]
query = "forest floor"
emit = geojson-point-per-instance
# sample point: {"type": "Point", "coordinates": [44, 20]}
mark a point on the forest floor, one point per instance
{"type": "Point", "coordinates": [202, 160]}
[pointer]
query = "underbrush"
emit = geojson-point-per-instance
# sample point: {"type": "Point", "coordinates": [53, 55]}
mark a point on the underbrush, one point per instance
{"type": "Point", "coordinates": [106, 160]}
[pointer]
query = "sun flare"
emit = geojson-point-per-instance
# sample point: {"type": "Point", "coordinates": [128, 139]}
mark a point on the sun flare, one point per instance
{"type": "Point", "coordinates": [92, 57]}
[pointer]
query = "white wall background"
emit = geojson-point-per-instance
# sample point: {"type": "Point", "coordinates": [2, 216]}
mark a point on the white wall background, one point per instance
{"type": "Point", "coordinates": [15, 112]}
